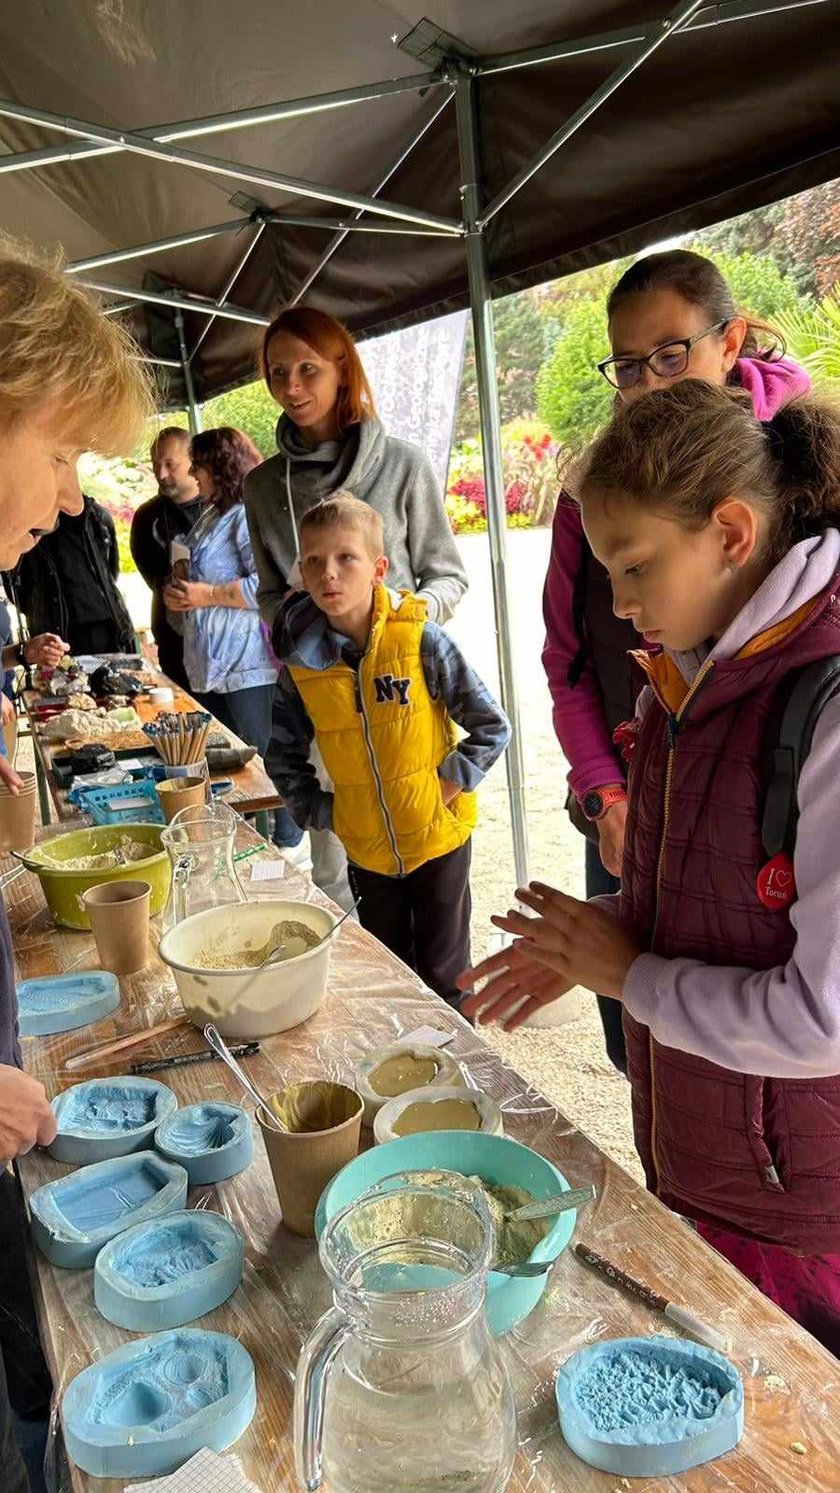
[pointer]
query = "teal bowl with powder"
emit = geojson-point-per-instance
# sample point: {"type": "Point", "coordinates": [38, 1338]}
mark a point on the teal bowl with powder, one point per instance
{"type": "Point", "coordinates": [495, 1159]}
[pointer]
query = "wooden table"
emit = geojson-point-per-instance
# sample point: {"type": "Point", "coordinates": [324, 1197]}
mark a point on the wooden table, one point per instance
{"type": "Point", "coordinates": [253, 794]}
{"type": "Point", "coordinates": [792, 1385]}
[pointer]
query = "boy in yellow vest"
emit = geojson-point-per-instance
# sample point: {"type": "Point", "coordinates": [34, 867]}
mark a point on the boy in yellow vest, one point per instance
{"type": "Point", "coordinates": [382, 691]}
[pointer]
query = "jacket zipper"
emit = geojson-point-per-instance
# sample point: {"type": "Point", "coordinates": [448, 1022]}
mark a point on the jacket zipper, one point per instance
{"type": "Point", "coordinates": [374, 767]}
{"type": "Point", "coordinates": [674, 722]}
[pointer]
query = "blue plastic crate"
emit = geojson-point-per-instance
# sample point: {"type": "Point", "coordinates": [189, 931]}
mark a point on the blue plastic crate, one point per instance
{"type": "Point", "coordinates": [121, 803]}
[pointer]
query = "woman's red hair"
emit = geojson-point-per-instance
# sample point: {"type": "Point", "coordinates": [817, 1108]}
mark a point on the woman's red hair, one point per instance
{"type": "Point", "coordinates": [329, 339]}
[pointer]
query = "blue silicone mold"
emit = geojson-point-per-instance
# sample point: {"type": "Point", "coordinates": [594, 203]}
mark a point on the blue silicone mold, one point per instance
{"type": "Point", "coordinates": [212, 1141]}
{"type": "Point", "coordinates": [649, 1406]}
{"type": "Point", "coordinates": [168, 1272]}
{"type": "Point", "coordinates": [61, 1003]}
{"type": "Point", "coordinates": [147, 1407]}
{"type": "Point", "coordinates": [73, 1217]}
{"type": "Point", "coordinates": [108, 1117]}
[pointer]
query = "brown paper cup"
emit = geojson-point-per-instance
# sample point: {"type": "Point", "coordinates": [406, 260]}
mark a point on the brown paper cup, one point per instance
{"type": "Point", "coordinates": [17, 814]}
{"type": "Point", "coordinates": [324, 1121]}
{"type": "Point", "coordinates": [119, 917]}
{"type": "Point", "coordinates": [176, 794]}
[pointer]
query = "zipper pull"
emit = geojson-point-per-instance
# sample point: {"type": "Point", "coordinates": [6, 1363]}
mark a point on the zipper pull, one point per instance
{"type": "Point", "coordinates": [358, 694]}
{"type": "Point", "coordinates": [673, 728]}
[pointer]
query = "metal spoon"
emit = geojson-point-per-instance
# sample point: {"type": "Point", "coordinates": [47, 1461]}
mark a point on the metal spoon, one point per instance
{"type": "Point", "coordinates": [574, 1197]}
{"type": "Point", "coordinates": [219, 1046]}
{"type": "Point", "coordinates": [528, 1270]}
{"type": "Point", "coordinates": [280, 948]}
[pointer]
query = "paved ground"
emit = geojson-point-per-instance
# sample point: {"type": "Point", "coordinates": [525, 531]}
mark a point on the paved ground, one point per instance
{"type": "Point", "coordinates": [567, 1062]}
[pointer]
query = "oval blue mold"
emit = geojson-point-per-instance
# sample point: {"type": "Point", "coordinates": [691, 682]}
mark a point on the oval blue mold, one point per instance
{"type": "Point", "coordinates": [169, 1271]}
{"type": "Point", "coordinates": [212, 1141]}
{"type": "Point", "coordinates": [108, 1117]}
{"type": "Point", "coordinates": [73, 1217]}
{"type": "Point", "coordinates": [649, 1406]}
{"type": "Point", "coordinates": [61, 1003]}
{"type": "Point", "coordinates": [494, 1158]}
{"type": "Point", "coordinates": [146, 1408]}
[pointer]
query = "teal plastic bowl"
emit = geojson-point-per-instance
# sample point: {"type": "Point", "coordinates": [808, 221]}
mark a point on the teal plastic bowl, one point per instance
{"type": "Point", "coordinates": [493, 1158]}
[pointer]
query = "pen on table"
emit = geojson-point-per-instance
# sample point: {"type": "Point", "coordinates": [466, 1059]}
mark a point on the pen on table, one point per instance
{"type": "Point", "coordinates": [676, 1314]}
{"type": "Point", "coordinates": [248, 1050]}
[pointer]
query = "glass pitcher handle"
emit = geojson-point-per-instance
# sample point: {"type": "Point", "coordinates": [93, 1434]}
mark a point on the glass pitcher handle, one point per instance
{"type": "Point", "coordinates": [180, 882]}
{"type": "Point", "coordinates": [319, 1354]}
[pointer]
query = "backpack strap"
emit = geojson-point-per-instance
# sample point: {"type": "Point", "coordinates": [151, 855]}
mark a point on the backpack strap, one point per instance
{"type": "Point", "coordinates": [816, 685]}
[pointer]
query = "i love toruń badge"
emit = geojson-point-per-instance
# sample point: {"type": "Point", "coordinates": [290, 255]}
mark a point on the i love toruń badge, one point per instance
{"type": "Point", "coordinates": [776, 883]}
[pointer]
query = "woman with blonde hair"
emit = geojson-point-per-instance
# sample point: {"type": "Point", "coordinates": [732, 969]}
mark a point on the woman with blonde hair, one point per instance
{"type": "Point", "coordinates": [70, 381]}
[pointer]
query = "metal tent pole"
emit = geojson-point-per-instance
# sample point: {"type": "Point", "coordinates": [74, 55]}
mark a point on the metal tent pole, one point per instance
{"type": "Point", "coordinates": [491, 442]}
{"type": "Point", "coordinates": [193, 407]}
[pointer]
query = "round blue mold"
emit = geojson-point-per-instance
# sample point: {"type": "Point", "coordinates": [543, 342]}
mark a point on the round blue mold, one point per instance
{"type": "Point", "coordinates": [211, 1140]}
{"type": "Point", "coordinates": [169, 1271]}
{"type": "Point", "coordinates": [61, 1003]}
{"type": "Point", "coordinates": [493, 1158]}
{"type": "Point", "coordinates": [149, 1406]}
{"type": "Point", "coordinates": [649, 1406]}
{"type": "Point", "coordinates": [73, 1217]}
{"type": "Point", "coordinates": [108, 1117]}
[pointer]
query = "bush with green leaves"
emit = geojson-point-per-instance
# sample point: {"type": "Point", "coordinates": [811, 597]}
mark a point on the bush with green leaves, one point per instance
{"type": "Point", "coordinates": [573, 398]}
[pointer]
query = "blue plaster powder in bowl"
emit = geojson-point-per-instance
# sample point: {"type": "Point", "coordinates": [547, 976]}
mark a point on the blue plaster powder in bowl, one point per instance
{"type": "Point", "coordinates": [649, 1407]}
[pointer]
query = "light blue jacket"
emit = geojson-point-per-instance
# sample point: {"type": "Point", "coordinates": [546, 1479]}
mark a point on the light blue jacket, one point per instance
{"type": "Point", "coordinates": [224, 649]}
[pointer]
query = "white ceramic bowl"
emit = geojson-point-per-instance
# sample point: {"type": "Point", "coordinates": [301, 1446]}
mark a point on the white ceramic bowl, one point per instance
{"type": "Point", "coordinates": [489, 1114]}
{"type": "Point", "coordinates": [246, 1003]}
{"type": "Point", "coordinates": [449, 1075]}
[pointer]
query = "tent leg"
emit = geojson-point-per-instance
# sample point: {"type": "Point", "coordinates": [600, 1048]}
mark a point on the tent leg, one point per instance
{"type": "Point", "coordinates": [491, 442]}
{"type": "Point", "coordinates": [193, 407]}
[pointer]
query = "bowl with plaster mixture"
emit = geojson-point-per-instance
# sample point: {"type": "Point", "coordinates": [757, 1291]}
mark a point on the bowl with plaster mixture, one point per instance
{"type": "Point", "coordinates": [214, 956]}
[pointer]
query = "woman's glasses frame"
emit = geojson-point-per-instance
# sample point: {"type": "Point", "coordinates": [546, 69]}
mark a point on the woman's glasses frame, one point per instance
{"type": "Point", "coordinates": [614, 369]}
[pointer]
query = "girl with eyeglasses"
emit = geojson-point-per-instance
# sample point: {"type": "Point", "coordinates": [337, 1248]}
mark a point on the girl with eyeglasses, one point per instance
{"type": "Point", "coordinates": [671, 316]}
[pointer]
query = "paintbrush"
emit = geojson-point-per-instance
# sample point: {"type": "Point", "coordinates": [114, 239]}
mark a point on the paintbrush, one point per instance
{"type": "Point", "coordinates": [681, 1318]}
{"type": "Point", "coordinates": [104, 1053]}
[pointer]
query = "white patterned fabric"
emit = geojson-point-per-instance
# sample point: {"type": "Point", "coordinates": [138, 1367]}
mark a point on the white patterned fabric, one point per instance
{"type": "Point", "coordinates": [415, 375]}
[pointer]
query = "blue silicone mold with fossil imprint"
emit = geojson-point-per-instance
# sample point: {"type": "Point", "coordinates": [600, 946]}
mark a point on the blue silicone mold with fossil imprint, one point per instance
{"type": "Point", "coordinates": [61, 1003]}
{"type": "Point", "coordinates": [649, 1407]}
{"type": "Point", "coordinates": [108, 1117]}
{"type": "Point", "coordinates": [213, 1141]}
{"type": "Point", "coordinates": [147, 1407]}
{"type": "Point", "coordinates": [73, 1217]}
{"type": "Point", "coordinates": [168, 1272]}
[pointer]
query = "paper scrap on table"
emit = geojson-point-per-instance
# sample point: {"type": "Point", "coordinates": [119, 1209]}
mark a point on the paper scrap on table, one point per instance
{"type": "Point", "coordinates": [427, 1036]}
{"type": "Point", "coordinates": [206, 1472]}
{"type": "Point", "coordinates": [268, 870]}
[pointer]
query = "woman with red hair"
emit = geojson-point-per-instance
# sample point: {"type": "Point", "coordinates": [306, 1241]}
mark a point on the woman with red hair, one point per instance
{"type": "Point", "coordinates": [329, 440]}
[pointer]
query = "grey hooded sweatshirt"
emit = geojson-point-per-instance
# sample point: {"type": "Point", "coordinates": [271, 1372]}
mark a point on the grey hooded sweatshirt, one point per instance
{"type": "Point", "coordinates": [397, 480]}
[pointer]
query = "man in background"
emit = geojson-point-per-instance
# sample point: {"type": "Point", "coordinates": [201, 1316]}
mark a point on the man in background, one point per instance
{"type": "Point", "coordinates": [67, 585]}
{"type": "Point", "coordinates": [156, 524]}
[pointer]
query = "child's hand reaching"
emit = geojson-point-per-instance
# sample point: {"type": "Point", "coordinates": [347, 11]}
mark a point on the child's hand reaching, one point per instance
{"type": "Point", "coordinates": [579, 941]}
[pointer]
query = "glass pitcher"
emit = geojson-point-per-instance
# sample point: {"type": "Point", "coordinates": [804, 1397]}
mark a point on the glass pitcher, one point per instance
{"type": "Point", "coordinates": [401, 1388]}
{"type": "Point", "coordinates": [200, 842]}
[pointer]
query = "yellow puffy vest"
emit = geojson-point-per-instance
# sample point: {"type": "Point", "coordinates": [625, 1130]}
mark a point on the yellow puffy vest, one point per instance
{"type": "Point", "coordinates": [382, 738]}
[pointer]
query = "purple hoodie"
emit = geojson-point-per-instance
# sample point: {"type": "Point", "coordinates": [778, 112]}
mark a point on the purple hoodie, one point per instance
{"type": "Point", "coordinates": [578, 713]}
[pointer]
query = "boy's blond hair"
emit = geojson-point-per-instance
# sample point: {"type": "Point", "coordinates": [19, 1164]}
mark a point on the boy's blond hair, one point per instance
{"type": "Point", "coordinates": [55, 345]}
{"type": "Point", "coordinates": [342, 510]}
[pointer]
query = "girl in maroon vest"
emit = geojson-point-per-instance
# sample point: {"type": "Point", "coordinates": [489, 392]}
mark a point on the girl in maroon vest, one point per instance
{"type": "Point", "coordinates": [670, 316]}
{"type": "Point", "coordinates": [720, 535]}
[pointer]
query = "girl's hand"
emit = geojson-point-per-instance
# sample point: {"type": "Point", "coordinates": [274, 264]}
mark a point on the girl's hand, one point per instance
{"type": "Point", "coordinates": [516, 987]}
{"type": "Point", "coordinates": [46, 651]}
{"type": "Point", "coordinates": [580, 942]}
{"type": "Point", "coordinates": [186, 596]}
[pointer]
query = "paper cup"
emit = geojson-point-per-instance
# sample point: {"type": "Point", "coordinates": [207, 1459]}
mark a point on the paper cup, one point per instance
{"type": "Point", "coordinates": [119, 917]}
{"type": "Point", "coordinates": [17, 814]}
{"type": "Point", "coordinates": [180, 793]}
{"type": "Point", "coordinates": [324, 1125]}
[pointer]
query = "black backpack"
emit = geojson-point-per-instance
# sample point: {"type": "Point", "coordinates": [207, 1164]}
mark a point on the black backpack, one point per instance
{"type": "Point", "coordinates": [813, 687]}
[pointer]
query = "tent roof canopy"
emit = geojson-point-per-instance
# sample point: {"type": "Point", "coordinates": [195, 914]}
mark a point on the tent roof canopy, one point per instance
{"type": "Point", "coordinates": [723, 108]}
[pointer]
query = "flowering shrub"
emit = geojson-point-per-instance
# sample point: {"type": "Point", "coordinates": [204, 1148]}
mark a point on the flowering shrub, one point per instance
{"type": "Point", "coordinates": [529, 463]}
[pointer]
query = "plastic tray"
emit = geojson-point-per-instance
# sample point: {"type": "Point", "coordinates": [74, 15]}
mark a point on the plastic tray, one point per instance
{"type": "Point", "coordinates": [121, 803]}
{"type": "Point", "coordinates": [168, 1272]}
{"type": "Point", "coordinates": [61, 1003]}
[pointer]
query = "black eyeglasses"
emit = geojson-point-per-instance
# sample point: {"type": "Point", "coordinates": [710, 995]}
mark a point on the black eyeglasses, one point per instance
{"type": "Point", "coordinates": [667, 361]}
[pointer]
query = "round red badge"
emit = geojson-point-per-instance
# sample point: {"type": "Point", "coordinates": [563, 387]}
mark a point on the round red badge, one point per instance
{"type": "Point", "coordinates": [776, 883]}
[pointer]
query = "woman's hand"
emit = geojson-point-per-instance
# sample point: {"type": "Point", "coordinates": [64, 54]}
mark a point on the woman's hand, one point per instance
{"type": "Point", "coordinates": [579, 941]}
{"type": "Point", "coordinates": [187, 596]}
{"type": "Point", "coordinates": [516, 987]}
{"type": "Point", "coordinates": [45, 651]}
{"type": "Point", "coordinates": [26, 1117]}
{"type": "Point", "coordinates": [7, 711]}
{"type": "Point", "coordinates": [611, 830]}
{"type": "Point", "coordinates": [9, 778]}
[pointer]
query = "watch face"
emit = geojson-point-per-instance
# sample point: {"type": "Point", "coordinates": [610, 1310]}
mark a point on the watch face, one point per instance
{"type": "Point", "coordinates": [593, 805]}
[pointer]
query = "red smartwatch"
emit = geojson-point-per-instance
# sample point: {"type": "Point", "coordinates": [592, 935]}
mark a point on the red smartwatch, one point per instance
{"type": "Point", "coordinates": [597, 801]}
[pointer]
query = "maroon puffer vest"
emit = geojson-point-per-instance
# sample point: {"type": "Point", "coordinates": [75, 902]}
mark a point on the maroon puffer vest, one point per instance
{"type": "Point", "coordinates": [760, 1156]}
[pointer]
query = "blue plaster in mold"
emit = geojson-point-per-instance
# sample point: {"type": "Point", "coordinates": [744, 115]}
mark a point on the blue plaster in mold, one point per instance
{"type": "Point", "coordinates": [168, 1272]}
{"type": "Point", "coordinates": [649, 1407]}
{"type": "Point", "coordinates": [109, 1117]}
{"type": "Point", "coordinates": [150, 1405]}
{"type": "Point", "coordinates": [211, 1140]}
{"type": "Point", "coordinates": [73, 1217]}
{"type": "Point", "coordinates": [61, 1003]}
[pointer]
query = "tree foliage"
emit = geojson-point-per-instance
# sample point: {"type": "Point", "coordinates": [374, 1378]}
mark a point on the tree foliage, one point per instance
{"type": "Point", "coordinates": [812, 334]}
{"type": "Point", "coordinates": [573, 399]}
{"type": "Point", "coordinates": [519, 351]}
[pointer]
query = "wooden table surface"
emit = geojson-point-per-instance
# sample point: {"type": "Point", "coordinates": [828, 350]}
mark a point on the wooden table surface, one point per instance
{"type": "Point", "coordinates": [792, 1385]}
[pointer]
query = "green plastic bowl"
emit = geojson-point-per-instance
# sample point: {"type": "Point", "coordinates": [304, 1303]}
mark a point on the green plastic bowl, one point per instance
{"type": "Point", "coordinates": [493, 1158]}
{"type": "Point", "coordinates": [63, 888]}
